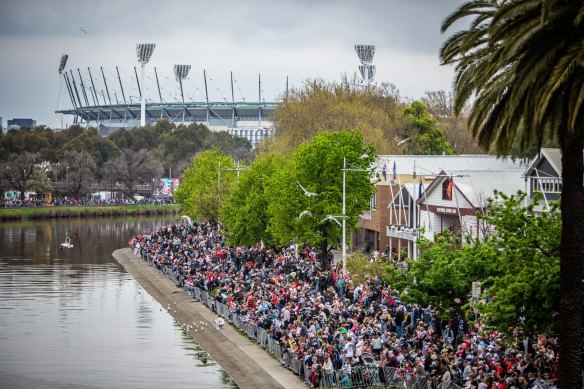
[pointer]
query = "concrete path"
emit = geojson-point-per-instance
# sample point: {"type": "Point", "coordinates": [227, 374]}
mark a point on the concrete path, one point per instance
{"type": "Point", "coordinates": [245, 361]}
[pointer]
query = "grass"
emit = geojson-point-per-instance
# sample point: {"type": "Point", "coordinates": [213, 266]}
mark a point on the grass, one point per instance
{"type": "Point", "coordinates": [86, 211]}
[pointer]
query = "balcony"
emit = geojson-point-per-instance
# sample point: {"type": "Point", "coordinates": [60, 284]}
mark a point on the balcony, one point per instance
{"type": "Point", "coordinates": [402, 232]}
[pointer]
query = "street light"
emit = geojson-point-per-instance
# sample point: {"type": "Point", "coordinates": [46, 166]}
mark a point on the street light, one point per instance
{"type": "Point", "coordinates": [62, 65]}
{"type": "Point", "coordinates": [343, 225]}
{"type": "Point", "coordinates": [344, 216]}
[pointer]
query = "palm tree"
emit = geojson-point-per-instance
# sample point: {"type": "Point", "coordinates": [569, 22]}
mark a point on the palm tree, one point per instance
{"type": "Point", "coordinates": [522, 64]}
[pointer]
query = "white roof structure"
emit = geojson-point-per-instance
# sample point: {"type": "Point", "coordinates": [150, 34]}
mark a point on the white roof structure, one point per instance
{"type": "Point", "coordinates": [428, 165]}
{"type": "Point", "coordinates": [477, 186]}
{"type": "Point", "coordinates": [553, 156]}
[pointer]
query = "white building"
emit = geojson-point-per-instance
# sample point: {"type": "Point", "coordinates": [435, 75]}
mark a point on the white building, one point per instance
{"type": "Point", "coordinates": [433, 193]}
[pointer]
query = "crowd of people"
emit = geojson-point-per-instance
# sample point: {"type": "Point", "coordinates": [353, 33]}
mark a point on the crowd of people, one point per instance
{"type": "Point", "coordinates": [83, 201]}
{"type": "Point", "coordinates": [321, 317]}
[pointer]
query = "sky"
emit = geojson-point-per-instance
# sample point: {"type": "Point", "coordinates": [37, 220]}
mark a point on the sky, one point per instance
{"type": "Point", "coordinates": [299, 39]}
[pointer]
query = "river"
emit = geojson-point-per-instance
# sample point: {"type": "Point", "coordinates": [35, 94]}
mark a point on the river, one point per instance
{"type": "Point", "coordinates": [74, 318]}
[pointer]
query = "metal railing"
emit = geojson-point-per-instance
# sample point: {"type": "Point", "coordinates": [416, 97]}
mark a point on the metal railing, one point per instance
{"type": "Point", "coordinates": [359, 376]}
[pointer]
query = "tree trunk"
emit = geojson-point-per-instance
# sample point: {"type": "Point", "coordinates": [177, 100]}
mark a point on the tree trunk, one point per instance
{"type": "Point", "coordinates": [571, 264]}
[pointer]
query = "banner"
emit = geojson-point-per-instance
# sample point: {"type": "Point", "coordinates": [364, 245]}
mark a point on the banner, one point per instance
{"type": "Point", "coordinates": [165, 187]}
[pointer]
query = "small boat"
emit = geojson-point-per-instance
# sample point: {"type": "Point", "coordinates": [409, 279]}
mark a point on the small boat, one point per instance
{"type": "Point", "coordinates": [67, 244]}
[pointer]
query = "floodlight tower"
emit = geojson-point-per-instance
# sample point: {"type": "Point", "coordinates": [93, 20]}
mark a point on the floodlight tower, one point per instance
{"type": "Point", "coordinates": [62, 64]}
{"type": "Point", "coordinates": [180, 73]}
{"type": "Point", "coordinates": [365, 54]}
{"type": "Point", "coordinates": [144, 52]}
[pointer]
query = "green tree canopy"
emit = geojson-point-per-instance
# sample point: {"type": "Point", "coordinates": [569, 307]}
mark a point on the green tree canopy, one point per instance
{"type": "Point", "coordinates": [317, 166]}
{"type": "Point", "coordinates": [517, 266]}
{"type": "Point", "coordinates": [245, 212]}
{"type": "Point", "coordinates": [425, 138]}
{"type": "Point", "coordinates": [205, 185]}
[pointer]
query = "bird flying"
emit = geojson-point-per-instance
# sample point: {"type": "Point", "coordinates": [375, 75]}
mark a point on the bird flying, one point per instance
{"type": "Point", "coordinates": [306, 193]}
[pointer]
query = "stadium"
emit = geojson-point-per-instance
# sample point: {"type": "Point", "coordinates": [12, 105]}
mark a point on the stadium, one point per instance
{"type": "Point", "coordinates": [109, 100]}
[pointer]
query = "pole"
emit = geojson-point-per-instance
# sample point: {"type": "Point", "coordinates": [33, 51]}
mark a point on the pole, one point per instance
{"type": "Point", "coordinates": [60, 99]}
{"type": "Point", "coordinates": [143, 101]}
{"type": "Point", "coordinates": [233, 123]}
{"type": "Point", "coordinates": [344, 216]}
{"type": "Point", "coordinates": [415, 211]}
{"type": "Point", "coordinates": [219, 178]}
{"type": "Point", "coordinates": [120, 81]}
{"type": "Point", "coordinates": [206, 95]}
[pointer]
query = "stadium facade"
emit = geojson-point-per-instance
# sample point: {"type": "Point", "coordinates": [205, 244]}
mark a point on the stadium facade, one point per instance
{"type": "Point", "coordinates": [110, 102]}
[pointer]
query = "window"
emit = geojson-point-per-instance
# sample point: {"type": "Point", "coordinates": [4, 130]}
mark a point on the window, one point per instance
{"type": "Point", "coordinates": [447, 187]}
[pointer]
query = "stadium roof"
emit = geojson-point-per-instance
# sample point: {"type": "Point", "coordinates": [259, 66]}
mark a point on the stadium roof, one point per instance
{"type": "Point", "coordinates": [218, 113]}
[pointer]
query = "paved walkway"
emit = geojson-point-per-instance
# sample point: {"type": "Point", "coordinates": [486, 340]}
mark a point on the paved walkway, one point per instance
{"type": "Point", "coordinates": [245, 361]}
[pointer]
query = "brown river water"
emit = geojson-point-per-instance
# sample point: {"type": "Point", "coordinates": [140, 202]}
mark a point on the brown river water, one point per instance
{"type": "Point", "coordinates": [74, 318]}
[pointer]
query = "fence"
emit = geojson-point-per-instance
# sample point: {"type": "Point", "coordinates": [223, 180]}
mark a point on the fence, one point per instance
{"type": "Point", "coordinates": [365, 376]}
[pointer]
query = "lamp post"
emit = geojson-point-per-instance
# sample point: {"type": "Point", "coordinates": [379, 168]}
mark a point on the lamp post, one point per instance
{"type": "Point", "coordinates": [343, 224]}
{"type": "Point", "coordinates": [344, 214]}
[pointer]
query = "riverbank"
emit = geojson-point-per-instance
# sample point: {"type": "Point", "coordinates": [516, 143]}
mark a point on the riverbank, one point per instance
{"type": "Point", "coordinates": [86, 211]}
{"type": "Point", "coordinates": [248, 364]}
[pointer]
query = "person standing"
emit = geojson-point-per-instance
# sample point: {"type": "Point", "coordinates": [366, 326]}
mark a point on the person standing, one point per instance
{"type": "Point", "coordinates": [399, 321]}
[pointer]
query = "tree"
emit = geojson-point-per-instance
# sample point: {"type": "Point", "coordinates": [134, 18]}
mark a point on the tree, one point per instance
{"type": "Point", "coordinates": [101, 149]}
{"type": "Point", "coordinates": [520, 62]}
{"type": "Point", "coordinates": [317, 166]}
{"type": "Point", "coordinates": [182, 143]}
{"type": "Point", "coordinates": [205, 185]}
{"type": "Point", "coordinates": [79, 170]}
{"type": "Point", "coordinates": [320, 106]}
{"type": "Point", "coordinates": [517, 266]}
{"type": "Point", "coordinates": [362, 268]}
{"type": "Point", "coordinates": [238, 147]}
{"type": "Point", "coordinates": [132, 168]}
{"type": "Point", "coordinates": [19, 171]}
{"type": "Point", "coordinates": [525, 284]}
{"type": "Point", "coordinates": [440, 105]}
{"type": "Point", "coordinates": [424, 138]}
{"type": "Point", "coordinates": [245, 212]}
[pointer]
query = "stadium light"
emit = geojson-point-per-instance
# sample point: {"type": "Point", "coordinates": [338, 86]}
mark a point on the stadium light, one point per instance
{"type": "Point", "coordinates": [62, 63]}
{"type": "Point", "coordinates": [367, 72]}
{"type": "Point", "coordinates": [144, 52]}
{"type": "Point", "coordinates": [181, 72]}
{"type": "Point", "coordinates": [365, 54]}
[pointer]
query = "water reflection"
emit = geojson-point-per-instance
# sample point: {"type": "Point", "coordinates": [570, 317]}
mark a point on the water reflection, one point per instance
{"type": "Point", "coordinates": [75, 318]}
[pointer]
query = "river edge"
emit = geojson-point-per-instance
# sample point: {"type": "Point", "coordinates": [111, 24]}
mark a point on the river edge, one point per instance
{"type": "Point", "coordinates": [244, 360]}
{"type": "Point", "coordinates": [15, 214]}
